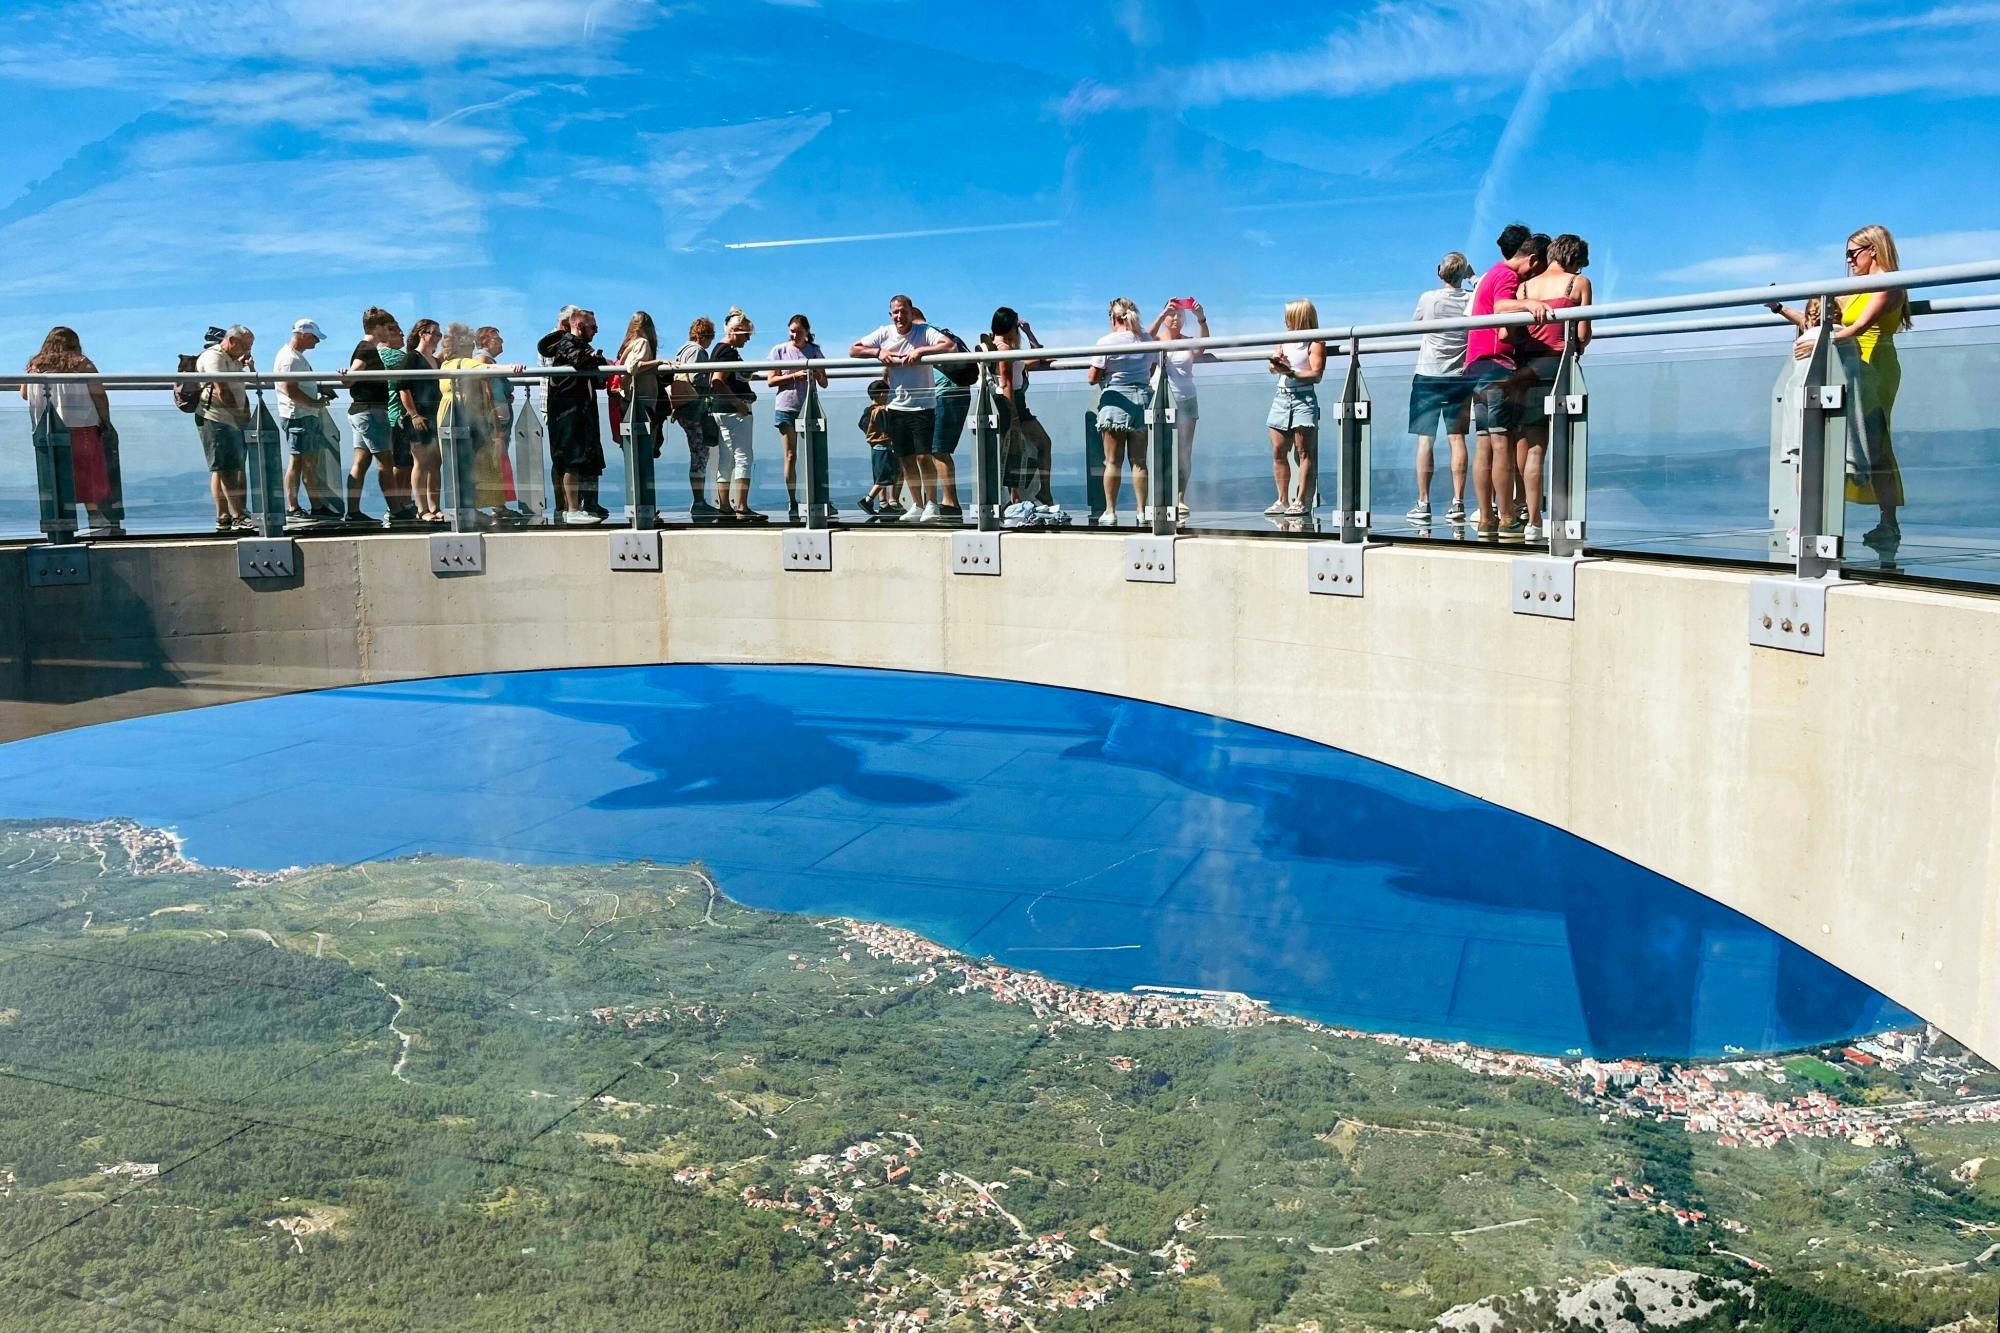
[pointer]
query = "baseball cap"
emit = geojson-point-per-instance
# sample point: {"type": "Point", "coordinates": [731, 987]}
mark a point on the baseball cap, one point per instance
{"type": "Point", "coordinates": [307, 326]}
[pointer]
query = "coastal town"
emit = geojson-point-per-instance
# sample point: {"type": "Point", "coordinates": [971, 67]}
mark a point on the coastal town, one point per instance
{"type": "Point", "coordinates": [1745, 1103]}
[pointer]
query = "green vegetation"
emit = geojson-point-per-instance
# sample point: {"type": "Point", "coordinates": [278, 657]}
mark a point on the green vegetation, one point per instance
{"type": "Point", "coordinates": [1813, 1070]}
{"type": "Point", "coordinates": [445, 1094]}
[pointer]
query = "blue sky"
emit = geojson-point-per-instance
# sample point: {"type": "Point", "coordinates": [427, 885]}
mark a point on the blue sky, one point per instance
{"type": "Point", "coordinates": [175, 163]}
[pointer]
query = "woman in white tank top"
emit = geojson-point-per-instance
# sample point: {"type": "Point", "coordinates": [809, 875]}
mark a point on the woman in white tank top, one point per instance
{"type": "Point", "coordinates": [1294, 418]}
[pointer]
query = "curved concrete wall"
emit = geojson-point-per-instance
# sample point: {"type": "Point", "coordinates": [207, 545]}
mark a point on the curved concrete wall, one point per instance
{"type": "Point", "coordinates": [1847, 801]}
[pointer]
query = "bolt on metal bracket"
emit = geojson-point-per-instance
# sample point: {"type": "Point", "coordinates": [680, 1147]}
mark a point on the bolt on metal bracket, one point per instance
{"type": "Point", "coordinates": [808, 550]}
{"type": "Point", "coordinates": [1545, 585]}
{"type": "Point", "coordinates": [636, 549]}
{"type": "Point", "coordinates": [1334, 569]}
{"type": "Point", "coordinates": [975, 553]}
{"type": "Point", "coordinates": [1149, 559]}
{"type": "Point", "coordinates": [1789, 614]}
{"type": "Point", "coordinates": [266, 558]}
{"type": "Point", "coordinates": [58, 566]}
{"type": "Point", "coordinates": [458, 553]}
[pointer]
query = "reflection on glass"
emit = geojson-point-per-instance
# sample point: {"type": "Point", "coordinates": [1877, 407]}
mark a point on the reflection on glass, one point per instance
{"type": "Point", "coordinates": [765, 989]}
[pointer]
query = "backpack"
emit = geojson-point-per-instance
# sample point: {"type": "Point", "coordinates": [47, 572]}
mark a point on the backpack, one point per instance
{"type": "Point", "coordinates": [962, 373]}
{"type": "Point", "coordinates": [187, 395]}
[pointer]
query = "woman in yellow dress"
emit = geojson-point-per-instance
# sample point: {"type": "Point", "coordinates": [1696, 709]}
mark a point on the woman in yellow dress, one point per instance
{"type": "Point", "coordinates": [1869, 322]}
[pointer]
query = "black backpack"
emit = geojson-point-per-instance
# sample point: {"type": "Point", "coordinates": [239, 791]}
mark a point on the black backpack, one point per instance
{"type": "Point", "coordinates": [962, 373]}
{"type": "Point", "coordinates": [187, 393]}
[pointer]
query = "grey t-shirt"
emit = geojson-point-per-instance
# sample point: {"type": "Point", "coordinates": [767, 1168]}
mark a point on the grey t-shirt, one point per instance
{"type": "Point", "coordinates": [1443, 352]}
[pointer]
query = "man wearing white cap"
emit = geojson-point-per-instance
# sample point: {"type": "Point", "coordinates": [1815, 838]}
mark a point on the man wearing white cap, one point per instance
{"type": "Point", "coordinates": [309, 432]}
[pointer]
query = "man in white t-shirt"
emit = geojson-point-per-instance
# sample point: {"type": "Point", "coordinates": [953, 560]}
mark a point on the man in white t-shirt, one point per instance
{"type": "Point", "coordinates": [307, 428]}
{"type": "Point", "coordinates": [901, 345]}
{"type": "Point", "coordinates": [221, 414]}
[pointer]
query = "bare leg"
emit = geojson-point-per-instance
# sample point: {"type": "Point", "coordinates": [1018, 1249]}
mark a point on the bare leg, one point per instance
{"type": "Point", "coordinates": [1281, 466]}
{"type": "Point", "coordinates": [1184, 456]}
{"type": "Point", "coordinates": [1135, 446]}
{"type": "Point", "coordinates": [1306, 445]}
{"type": "Point", "coordinates": [1491, 447]}
{"type": "Point", "coordinates": [1425, 466]}
{"type": "Point", "coordinates": [293, 467]}
{"type": "Point", "coordinates": [1534, 446]}
{"type": "Point", "coordinates": [1114, 461]}
{"type": "Point", "coordinates": [235, 486]}
{"type": "Point", "coordinates": [790, 436]}
{"type": "Point", "coordinates": [946, 485]}
{"type": "Point", "coordinates": [1506, 476]}
{"type": "Point", "coordinates": [1457, 441]}
{"type": "Point", "coordinates": [220, 494]}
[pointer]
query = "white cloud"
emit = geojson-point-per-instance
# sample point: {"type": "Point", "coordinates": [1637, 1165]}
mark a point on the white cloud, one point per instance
{"type": "Point", "coordinates": [1826, 260]}
{"type": "Point", "coordinates": [276, 221]}
{"type": "Point", "coordinates": [1948, 76]}
{"type": "Point", "coordinates": [1465, 43]}
{"type": "Point", "coordinates": [699, 175]}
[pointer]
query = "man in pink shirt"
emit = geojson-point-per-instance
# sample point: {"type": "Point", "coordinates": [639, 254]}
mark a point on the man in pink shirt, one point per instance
{"type": "Point", "coordinates": [1489, 360]}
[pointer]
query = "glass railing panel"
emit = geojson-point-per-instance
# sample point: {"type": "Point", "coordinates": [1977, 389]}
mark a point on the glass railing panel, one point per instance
{"type": "Point", "coordinates": [1941, 459]}
{"type": "Point", "coordinates": [1232, 485]}
{"type": "Point", "coordinates": [1680, 449]}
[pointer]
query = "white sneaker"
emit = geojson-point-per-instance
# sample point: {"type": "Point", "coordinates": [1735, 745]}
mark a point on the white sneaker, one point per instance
{"type": "Point", "coordinates": [1146, 516]}
{"type": "Point", "coordinates": [1420, 513]}
{"type": "Point", "coordinates": [930, 512]}
{"type": "Point", "coordinates": [1108, 519]}
{"type": "Point", "coordinates": [912, 515]}
{"type": "Point", "coordinates": [1276, 509]}
{"type": "Point", "coordinates": [1455, 514]}
{"type": "Point", "coordinates": [1532, 533]}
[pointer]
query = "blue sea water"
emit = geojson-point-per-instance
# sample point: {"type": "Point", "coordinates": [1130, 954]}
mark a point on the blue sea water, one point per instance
{"type": "Point", "coordinates": [1099, 840]}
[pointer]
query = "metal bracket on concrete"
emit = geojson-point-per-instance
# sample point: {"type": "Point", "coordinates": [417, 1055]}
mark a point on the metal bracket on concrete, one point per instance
{"type": "Point", "coordinates": [266, 558]}
{"type": "Point", "coordinates": [56, 566]}
{"type": "Point", "coordinates": [1789, 613]}
{"type": "Point", "coordinates": [1333, 569]}
{"type": "Point", "coordinates": [636, 549]}
{"type": "Point", "coordinates": [1149, 559]}
{"type": "Point", "coordinates": [975, 553]}
{"type": "Point", "coordinates": [458, 553]}
{"type": "Point", "coordinates": [1545, 585]}
{"type": "Point", "coordinates": [809, 549]}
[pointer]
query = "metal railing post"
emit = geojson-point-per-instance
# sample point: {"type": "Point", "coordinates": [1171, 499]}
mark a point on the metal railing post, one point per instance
{"type": "Point", "coordinates": [1351, 483]}
{"type": "Point", "coordinates": [1160, 452]}
{"type": "Point", "coordinates": [531, 487]}
{"type": "Point", "coordinates": [55, 482]}
{"type": "Point", "coordinates": [1822, 407]}
{"type": "Point", "coordinates": [264, 455]}
{"type": "Point", "coordinates": [642, 496]}
{"type": "Point", "coordinates": [1568, 406]}
{"type": "Point", "coordinates": [458, 482]}
{"type": "Point", "coordinates": [812, 440]}
{"type": "Point", "coordinates": [986, 453]}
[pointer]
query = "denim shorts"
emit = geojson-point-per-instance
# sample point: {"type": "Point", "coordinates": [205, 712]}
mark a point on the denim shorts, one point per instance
{"type": "Point", "coordinates": [788, 416]}
{"type": "Point", "coordinates": [1122, 407]}
{"type": "Point", "coordinates": [1294, 409]}
{"type": "Point", "coordinates": [951, 412]}
{"type": "Point", "coordinates": [882, 467]}
{"type": "Point", "coordinates": [222, 444]}
{"type": "Point", "coordinates": [1440, 397]}
{"type": "Point", "coordinates": [304, 435]}
{"type": "Point", "coordinates": [1187, 407]}
{"type": "Point", "coordinates": [372, 433]}
{"type": "Point", "coordinates": [1498, 399]}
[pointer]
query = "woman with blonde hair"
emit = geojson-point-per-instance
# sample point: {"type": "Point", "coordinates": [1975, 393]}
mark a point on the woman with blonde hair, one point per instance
{"type": "Point", "coordinates": [85, 411]}
{"type": "Point", "coordinates": [1866, 337]}
{"type": "Point", "coordinates": [732, 396]}
{"type": "Point", "coordinates": [468, 405]}
{"type": "Point", "coordinates": [1122, 396]}
{"type": "Point", "coordinates": [1294, 418]}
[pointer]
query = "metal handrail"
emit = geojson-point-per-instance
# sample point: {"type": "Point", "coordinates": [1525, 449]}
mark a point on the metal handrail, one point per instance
{"type": "Point", "coordinates": [1938, 276]}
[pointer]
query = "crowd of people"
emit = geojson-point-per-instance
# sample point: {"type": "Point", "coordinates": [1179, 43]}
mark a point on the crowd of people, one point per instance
{"type": "Point", "coordinates": [1483, 390]}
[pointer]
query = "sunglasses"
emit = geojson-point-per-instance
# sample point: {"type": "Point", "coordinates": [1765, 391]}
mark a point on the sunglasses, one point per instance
{"type": "Point", "coordinates": [1859, 249]}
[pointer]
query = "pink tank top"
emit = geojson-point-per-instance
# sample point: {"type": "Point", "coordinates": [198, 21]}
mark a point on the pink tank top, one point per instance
{"type": "Point", "coordinates": [1549, 337]}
